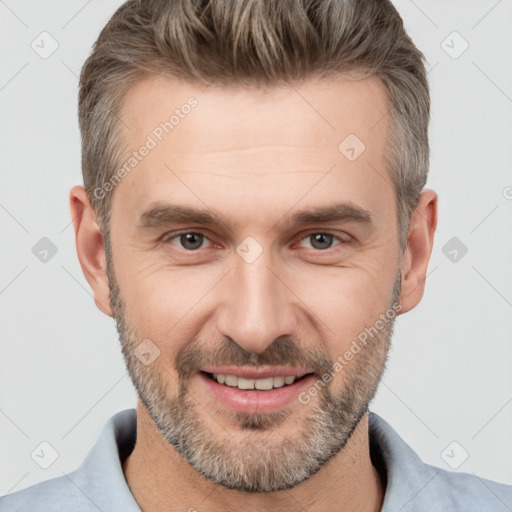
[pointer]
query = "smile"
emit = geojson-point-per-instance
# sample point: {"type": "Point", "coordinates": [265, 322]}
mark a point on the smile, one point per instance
{"type": "Point", "coordinates": [262, 391]}
{"type": "Point", "coordinates": [260, 384]}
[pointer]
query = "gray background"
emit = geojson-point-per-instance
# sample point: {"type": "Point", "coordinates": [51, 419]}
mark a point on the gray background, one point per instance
{"type": "Point", "coordinates": [449, 377]}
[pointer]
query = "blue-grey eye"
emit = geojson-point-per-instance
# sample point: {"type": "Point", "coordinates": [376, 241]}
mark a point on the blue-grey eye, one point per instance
{"type": "Point", "coordinates": [191, 241]}
{"type": "Point", "coordinates": [321, 240]}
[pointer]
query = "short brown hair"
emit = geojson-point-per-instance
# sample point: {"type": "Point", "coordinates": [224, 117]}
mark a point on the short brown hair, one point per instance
{"type": "Point", "coordinates": [262, 43]}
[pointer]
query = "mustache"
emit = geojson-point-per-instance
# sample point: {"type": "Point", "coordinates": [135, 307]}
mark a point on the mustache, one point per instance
{"type": "Point", "coordinates": [283, 351]}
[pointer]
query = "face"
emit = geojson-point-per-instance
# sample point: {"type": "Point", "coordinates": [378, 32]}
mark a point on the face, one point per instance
{"type": "Point", "coordinates": [251, 254]}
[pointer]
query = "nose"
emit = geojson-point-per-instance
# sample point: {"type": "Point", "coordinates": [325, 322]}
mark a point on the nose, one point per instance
{"type": "Point", "coordinates": [256, 305]}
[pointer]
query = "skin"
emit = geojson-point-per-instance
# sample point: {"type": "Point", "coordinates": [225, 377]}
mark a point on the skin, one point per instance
{"type": "Point", "coordinates": [255, 156]}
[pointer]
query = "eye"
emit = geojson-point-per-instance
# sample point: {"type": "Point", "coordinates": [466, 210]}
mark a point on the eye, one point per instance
{"type": "Point", "coordinates": [193, 241]}
{"type": "Point", "coordinates": [189, 240]}
{"type": "Point", "coordinates": [321, 241]}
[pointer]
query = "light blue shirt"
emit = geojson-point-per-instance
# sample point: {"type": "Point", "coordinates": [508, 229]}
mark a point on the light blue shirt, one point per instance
{"type": "Point", "coordinates": [99, 483]}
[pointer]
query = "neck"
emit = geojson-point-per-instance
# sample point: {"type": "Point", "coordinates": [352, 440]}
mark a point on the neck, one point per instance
{"type": "Point", "coordinates": [160, 480]}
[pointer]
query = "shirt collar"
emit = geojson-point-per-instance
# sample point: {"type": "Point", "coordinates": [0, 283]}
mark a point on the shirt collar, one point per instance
{"type": "Point", "coordinates": [101, 477]}
{"type": "Point", "coordinates": [406, 474]}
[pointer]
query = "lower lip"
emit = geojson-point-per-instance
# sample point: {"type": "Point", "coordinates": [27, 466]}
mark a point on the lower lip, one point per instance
{"type": "Point", "coordinates": [255, 401]}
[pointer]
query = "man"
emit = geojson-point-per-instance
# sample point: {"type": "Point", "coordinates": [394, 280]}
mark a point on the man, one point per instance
{"type": "Point", "coordinates": [254, 218]}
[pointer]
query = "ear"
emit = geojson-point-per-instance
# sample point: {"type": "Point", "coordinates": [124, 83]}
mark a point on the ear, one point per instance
{"type": "Point", "coordinates": [419, 248]}
{"type": "Point", "coordinates": [89, 247]}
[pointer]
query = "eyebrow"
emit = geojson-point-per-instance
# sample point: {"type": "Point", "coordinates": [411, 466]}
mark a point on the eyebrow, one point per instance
{"type": "Point", "coordinates": [165, 214]}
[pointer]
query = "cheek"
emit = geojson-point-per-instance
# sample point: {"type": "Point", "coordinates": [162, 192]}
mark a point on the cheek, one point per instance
{"type": "Point", "coordinates": [344, 301]}
{"type": "Point", "coordinates": [350, 310]}
{"type": "Point", "coordinates": [165, 304]}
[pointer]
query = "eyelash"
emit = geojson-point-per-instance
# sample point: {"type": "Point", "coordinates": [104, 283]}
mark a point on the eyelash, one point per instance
{"type": "Point", "coordinates": [167, 239]}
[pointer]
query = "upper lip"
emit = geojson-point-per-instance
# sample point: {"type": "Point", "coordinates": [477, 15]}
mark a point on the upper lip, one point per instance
{"type": "Point", "coordinates": [262, 372]}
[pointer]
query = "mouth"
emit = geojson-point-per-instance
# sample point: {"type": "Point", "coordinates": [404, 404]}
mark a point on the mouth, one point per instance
{"type": "Point", "coordinates": [260, 384]}
{"type": "Point", "coordinates": [255, 391]}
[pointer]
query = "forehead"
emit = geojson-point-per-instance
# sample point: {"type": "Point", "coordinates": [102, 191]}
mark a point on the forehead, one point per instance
{"type": "Point", "coordinates": [238, 147]}
{"type": "Point", "coordinates": [316, 111]}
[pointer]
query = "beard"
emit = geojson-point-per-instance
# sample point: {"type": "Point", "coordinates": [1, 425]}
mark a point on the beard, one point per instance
{"type": "Point", "coordinates": [257, 458]}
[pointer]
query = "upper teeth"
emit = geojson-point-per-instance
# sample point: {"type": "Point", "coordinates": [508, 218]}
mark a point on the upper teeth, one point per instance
{"type": "Point", "coordinates": [263, 384]}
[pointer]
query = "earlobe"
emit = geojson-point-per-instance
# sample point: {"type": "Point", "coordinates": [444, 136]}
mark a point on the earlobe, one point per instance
{"type": "Point", "coordinates": [90, 248]}
{"type": "Point", "coordinates": [419, 249]}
